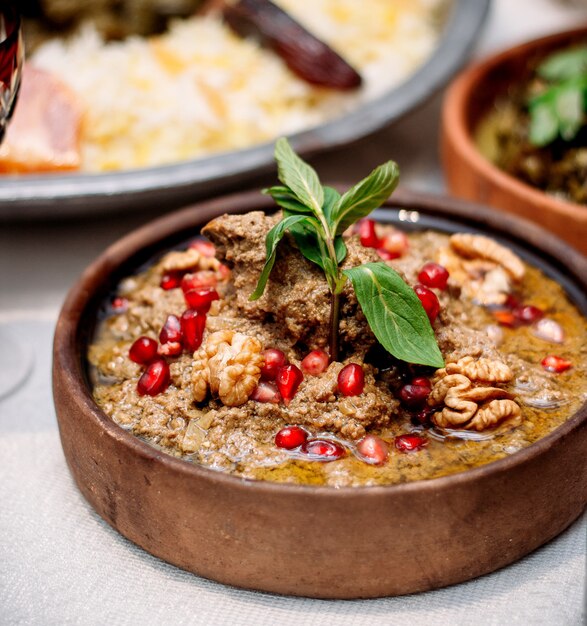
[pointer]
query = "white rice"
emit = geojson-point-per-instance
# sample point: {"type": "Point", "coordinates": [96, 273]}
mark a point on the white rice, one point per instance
{"type": "Point", "coordinates": [200, 89]}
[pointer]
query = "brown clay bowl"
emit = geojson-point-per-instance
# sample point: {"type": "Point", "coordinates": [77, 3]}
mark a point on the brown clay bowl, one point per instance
{"type": "Point", "coordinates": [317, 541]}
{"type": "Point", "coordinates": [469, 174]}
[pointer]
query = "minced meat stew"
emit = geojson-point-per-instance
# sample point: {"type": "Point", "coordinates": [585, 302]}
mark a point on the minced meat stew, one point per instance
{"type": "Point", "coordinates": [186, 361]}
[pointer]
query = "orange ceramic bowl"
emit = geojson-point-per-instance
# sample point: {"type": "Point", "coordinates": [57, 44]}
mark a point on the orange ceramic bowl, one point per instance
{"type": "Point", "coordinates": [469, 174]}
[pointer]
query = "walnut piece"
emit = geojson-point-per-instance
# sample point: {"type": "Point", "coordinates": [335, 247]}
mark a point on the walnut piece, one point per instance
{"type": "Point", "coordinates": [229, 364]}
{"type": "Point", "coordinates": [496, 412]}
{"type": "Point", "coordinates": [481, 247]}
{"type": "Point", "coordinates": [469, 406]}
{"type": "Point", "coordinates": [483, 268]}
{"type": "Point", "coordinates": [190, 259]}
{"type": "Point", "coordinates": [485, 370]}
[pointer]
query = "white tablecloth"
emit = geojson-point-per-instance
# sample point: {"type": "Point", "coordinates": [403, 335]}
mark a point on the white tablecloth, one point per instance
{"type": "Point", "coordinates": [61, 564]}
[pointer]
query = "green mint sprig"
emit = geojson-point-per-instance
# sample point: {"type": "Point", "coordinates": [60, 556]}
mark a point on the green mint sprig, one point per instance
{"type": "Point", "coordinates": [317, 217]}
{"type": "Point", "coordinates": [561, 108]}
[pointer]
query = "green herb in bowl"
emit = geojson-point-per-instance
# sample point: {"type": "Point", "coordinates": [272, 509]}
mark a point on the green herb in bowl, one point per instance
{"type": "Point", "coordinates": [560, 109]}
{"type": "Point", "coordinates": [317, 216]}
{"type": "Point", "coordinates": [537, 131]}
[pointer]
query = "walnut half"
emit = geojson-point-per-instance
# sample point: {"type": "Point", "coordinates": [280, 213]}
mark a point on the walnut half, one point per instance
{"type": "Point", "coordinates": [184, 260]}
{"type": "Point", "coordinates": [469, 406]}
{"type": "Point", "coordinates": [482, 370]}
{"type": "Point", "coordinates": [483, 268]}
{"type": "Point", "coordinates": [480, 247]}
{"type": "Point", "coordinates": [229, 364]}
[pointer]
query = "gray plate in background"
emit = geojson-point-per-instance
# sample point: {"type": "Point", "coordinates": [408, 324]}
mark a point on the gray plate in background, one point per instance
{"type": "Point", "coordinates": [59, 196]}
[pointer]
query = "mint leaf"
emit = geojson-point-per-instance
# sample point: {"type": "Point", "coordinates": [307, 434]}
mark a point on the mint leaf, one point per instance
{"type": "Point", "coordinates": [564, 65]}
{"type": "Point", "coordinates": [543, 123]}
{"type": "Point", "coordinates": [312, 246]}
{"type": "Point", "coordinates": [331, 197]}
{"type": "Point", "coordinates": [364, 197]}
{"type": "Point", "coordinates": [286, 200]}
{"type": "Point", "coordinates": [395, 314]}
{"type": "Point", "coordinates": [340, 248]}
{"type": "Point", "coordinates": [274, 236]}
{"type": "Point", "coordinates": [299, 176]}
{"type": "Point", "coordinates": [309, 235]}
{"type": "Point", "coordinates": [309, 239]}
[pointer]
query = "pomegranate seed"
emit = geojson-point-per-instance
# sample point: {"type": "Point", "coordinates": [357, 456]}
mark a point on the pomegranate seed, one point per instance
{"type": "Point", "coordinates": [288, 380]}
{"type": "Point", "coordinates": [512, 302]}
{"type": "Point", "coordinates": [204, 247]}
{"type": "Point", "coordinates": [556, 364]}
{"type": "Point", "coordinates": [528, 314]}
{"type": "Point", "coordinates": [517, 314]}
{"type": "Point", "coordinates": [422, 381]}
{"type": "Point", "coordinates": [155, 379]}
{"type": "Point", "coordinates": [143, 351]}
{"type": "Point", "coordinates": [386, 256]}
{"type": "Point", "coordinates": [291, 437]}
{"type": "Point", "coordinates": [119, 304]}
{"type": "Point", "coordinates": [323, 449]}
{"type": "Point", "coordinates": [171, 337]}
{"type": "Point", "coordinates": [368, 235]}
{"type": "Point", "coordinates": [315, 362]}
{"type": "Point", "coordinates": [429, 301]}
{"type": "Point", "coordinates": [172, 280]}
{"type": "Point", "coordinates": [410, 442]}
{"type": "Point", "coordinates": [201, 299]}
{"type": "Point", "coordinates": [422, 417]}
{"type": "Point", "coordinates": [274, 359]}
{"type": "Point", "coordinates": [414, 396]}
{"type": "Point", "coordinates": [433, 275]}
{"type": "Point", "coordinates": [395, 243]}
{"type": "Point", "coordinates": [373, 449]}
{"type": "Point", "coordinates": [193, 324]}
{"type": "Point", "coordinates": [351, 380]}
{"type": "Point", "coordinates": [504, 318]}
{"type": "Point", "coordinates": [266, 391]}
{"type": "Point", "coordinates": [197, 280]}
{"type": "Point", "coordinates": [171, 331]}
